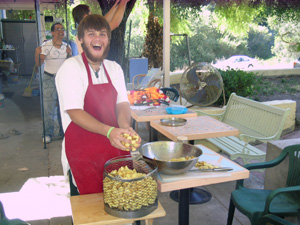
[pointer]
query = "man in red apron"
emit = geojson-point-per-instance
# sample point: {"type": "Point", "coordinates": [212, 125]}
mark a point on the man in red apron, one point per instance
{"type": "Point", "coordinates": [94, 107]}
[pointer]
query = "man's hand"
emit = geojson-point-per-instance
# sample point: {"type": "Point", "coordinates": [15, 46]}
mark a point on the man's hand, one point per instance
{"type": "Point", "coordinates": [116, 138]}
{"type": "Point", "coordinates": [38, 51]}
{"type": "Point", "coordinates": [38, 57]}
{"type": "Point", "coordinates": [138, 140]}
{"type": "Point", "coordinates": [69, 52]}
{"type": "Point", "coordinates": [116, 4]}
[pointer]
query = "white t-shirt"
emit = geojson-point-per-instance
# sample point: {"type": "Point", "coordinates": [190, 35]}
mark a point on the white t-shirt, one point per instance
{"type": "Point", "coordinates": [54, 56]}
{"type": "Point", "coordinates": [72, 82]}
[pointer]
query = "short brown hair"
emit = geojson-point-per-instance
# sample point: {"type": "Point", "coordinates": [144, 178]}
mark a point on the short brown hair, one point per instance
{"type": "Point", "coordinates": [94, 21]}
{"type": "Point", "coordinates": [79, 12]}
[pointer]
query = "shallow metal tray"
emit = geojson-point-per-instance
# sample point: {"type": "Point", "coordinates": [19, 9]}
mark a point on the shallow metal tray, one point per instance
{"type": "Point", "coordinates": [173, 121]}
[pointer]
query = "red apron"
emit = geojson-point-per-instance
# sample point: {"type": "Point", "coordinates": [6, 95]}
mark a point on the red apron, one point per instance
{"type": "Point", "coordinates": [87, 152]}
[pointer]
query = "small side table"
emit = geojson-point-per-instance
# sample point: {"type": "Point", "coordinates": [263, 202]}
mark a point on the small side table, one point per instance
{"type": "Point", "coordinates": [89, 209]}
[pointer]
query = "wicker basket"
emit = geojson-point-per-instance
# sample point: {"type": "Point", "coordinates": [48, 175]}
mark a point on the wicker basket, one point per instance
{"type": "Point", "coordinates": [129, 187]}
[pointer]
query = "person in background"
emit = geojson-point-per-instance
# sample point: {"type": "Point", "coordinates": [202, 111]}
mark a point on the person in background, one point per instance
{"type": "Point", "coordinates": [113, 17]}
{"type": "Point", "coordinates": [52, 53]}
{"type": "Point", "coordinates": [94, 107]}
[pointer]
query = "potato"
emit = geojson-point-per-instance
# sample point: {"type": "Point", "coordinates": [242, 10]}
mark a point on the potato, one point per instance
{"type": "Point", "coordinates": [129, 195]}
{"type": "Point", "coordinates": [182, 159]}
{"type": "Point", "coordinates": [205, 165]}
{"type": "Point", "coordinates": [133, 145]}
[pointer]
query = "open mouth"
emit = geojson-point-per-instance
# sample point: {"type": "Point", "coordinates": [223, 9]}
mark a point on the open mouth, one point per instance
{"type": "Point", "coordinates": [97, 47]}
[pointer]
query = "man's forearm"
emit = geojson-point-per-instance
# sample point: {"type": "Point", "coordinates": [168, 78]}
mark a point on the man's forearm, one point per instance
{"type": "Point", "coordinates": [88, 122]}
{"type": "Point", "coordinates": [118, 15]}
{"type": "Point", "coordinates": [109, 15]}
{"type": "Point", "coordinates": [123, 115]}
{"type": "Point", "coordinates": [39, 59]}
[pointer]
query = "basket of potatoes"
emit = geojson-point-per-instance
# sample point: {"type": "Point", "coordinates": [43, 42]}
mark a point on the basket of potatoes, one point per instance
{"type": "Point", "coordinates": [129, 187]}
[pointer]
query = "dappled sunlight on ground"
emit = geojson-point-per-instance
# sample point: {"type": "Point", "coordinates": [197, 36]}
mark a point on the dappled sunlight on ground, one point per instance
{"type": "Point", "coordinates": [40, 198]}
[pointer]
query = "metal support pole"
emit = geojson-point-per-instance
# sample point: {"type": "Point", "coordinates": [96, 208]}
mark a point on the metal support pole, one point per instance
{"type": "Point", "coordinates": [187, 46]}
{"type": "Point", "coordinates": [39, 30]}
{"type": "Point", "coordinates": [188, 49]}
{"type": "Point", "coordinates": [67, 21]}
{"type": "Point", "coordinates": [166, 43]}
{"type": "Point", "coordinates": [184, 207]}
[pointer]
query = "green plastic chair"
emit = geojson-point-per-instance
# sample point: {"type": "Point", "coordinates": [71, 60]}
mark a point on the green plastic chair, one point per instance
{"type": "Point", "coordinates": [5, 221]}
{"type": "Point", "coordinates": [271, 219]}
{"type": "Point", "coordinates": [255, 203]}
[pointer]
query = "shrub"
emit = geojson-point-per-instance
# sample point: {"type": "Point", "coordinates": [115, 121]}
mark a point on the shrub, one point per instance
{"type": "Point", "coordinates": [241, 82]}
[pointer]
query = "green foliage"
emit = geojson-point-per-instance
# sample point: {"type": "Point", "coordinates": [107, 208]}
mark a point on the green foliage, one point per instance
{"type": "Point", "coordinates": [241, 82]}
{"type": "Point", "coordinates": [287, 39]}
{"type": "Point", "coordinates": [59, 12]}
{"type": "Point", "coordinates": [207, 43]}
{"type": "Point", "coordinates": [235, 17]}
{"type": "Point", "coordinates": [288, 10]}
{"type": "Point", "coordinates": [20, 14]}
{"type": "Point", "coordinates": [260, 42]}
{"type": "Point", "coordinates": [66, 15]}
{"type": "Point", "coordinates": [138, 19]}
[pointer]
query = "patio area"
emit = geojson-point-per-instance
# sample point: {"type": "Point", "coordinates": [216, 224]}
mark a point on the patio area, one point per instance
{"type": "Point", "coordinates": [32, 186]}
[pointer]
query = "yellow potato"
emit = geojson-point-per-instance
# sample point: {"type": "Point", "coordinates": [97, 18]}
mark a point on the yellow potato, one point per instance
{"type": "Point", "coordinates": [205, 165]}
{"type": "Point", "coordinates": [133, 145]}
{"type": "Point", "coordinates": [182, 159]}
{"type": "Point", "coordinates": [129, 195]}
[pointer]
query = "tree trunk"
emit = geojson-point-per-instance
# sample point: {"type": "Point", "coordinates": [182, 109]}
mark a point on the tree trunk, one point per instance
{"type": "Point", "coordinates": [117, 47]}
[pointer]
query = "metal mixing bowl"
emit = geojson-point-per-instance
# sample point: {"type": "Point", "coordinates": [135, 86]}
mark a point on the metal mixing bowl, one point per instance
{"type": "Point", "coordinates": [162, 151]}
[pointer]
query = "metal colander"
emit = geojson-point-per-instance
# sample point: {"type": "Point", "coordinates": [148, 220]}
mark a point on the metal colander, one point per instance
{"type": "Point", "coordinates": [129, 187]}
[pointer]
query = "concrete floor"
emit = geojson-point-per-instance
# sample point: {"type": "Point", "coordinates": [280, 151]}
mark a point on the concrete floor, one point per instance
{"type": "Point", "coordinates": [32, 186]}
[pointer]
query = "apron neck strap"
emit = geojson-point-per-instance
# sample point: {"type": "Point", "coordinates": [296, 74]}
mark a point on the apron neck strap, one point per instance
{"type": "Point", "coordinates": [86, 63]}
{"type": "Point", "coordinates": [87, 67]}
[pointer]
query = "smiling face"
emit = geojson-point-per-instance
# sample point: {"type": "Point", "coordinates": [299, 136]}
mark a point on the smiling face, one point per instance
{"type": "Point", "coordinates": [95, 44]}
{"type": "Point", "coordinates": [94, 34]}
{"type": "Point", "coordinates": [59, 32]}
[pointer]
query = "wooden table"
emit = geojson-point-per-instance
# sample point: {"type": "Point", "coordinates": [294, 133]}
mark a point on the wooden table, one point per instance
{"type": "Point", "coordinates": [140, 114]}
{"type": "Point", "coordinates": [183, 183]}
{"type": "Point", "coordinates": [156, 113]}
{"type": "Point", "coordinates": [200, 127]}
{"type": "Point", "coordinates": [89, 209]}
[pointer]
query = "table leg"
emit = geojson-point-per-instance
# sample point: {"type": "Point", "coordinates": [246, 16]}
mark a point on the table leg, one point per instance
{"type": "Point", "coordinates": [197, 196]}
{"type": "Point", "coordinates": [149, 222]}
{"type": "Point", "coordinates": [134, 124]}
{"type": "Point", "coordinates": [184, 209]}
{"type": "Point", "coordinates": [153, 134]}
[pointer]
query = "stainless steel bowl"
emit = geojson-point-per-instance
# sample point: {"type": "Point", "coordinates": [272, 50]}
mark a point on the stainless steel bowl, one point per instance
{"type": "Point", "coordinates": [162, 151]}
